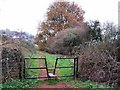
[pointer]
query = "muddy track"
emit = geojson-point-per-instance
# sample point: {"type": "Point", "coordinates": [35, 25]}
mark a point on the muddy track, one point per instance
{"type": "Point", "coordinates": [58, 85]}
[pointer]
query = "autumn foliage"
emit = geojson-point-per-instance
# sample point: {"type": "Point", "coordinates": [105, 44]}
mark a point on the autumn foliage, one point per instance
{"type": "Point", "coordinates": [59, 16]}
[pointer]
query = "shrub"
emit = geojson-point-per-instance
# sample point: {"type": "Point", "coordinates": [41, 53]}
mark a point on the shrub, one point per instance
{"type": "Point", "coordinates": [118, 49]}
{"type": "Point", "coordinates": [11, 59]}
{"type": "Point", "coordinates": [65, 41]}
{"type": "Point", "coordinates": [98, 63]}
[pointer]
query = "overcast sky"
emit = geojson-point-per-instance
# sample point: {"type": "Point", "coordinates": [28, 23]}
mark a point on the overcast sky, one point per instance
{"type": "Point", "coordinates": [26, 14]}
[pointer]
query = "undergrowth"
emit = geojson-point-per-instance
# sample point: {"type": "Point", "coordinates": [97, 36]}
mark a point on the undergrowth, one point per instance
{"type": "Point", "coordinates": [26, 83]}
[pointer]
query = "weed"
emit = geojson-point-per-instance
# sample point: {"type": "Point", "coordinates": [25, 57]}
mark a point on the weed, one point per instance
{"type": "Point", "coordinates": [21, 83]}
{"type": "Point", "coordinates": [88, 84]}
{"type": "Point", "coordinates": [52, 81]}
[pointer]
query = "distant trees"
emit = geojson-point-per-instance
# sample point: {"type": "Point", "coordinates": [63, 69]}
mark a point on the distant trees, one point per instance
{"type": "Point", "coordinates": [110, 31]}
{"type": "Point", "coordinates": [59, 16]}
{"type": "Point", "coordinates": [95, 30]}
{"type": "Point", "coordinates": [118, 46]}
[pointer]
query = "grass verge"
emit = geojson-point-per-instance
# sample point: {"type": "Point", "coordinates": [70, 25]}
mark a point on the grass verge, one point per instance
{"type": "Point", "coordinates": [88, 84]}
{"type": "Point", "coordinates": [32, 63]}
{"type": "Point", "coordinates": [27, 83]}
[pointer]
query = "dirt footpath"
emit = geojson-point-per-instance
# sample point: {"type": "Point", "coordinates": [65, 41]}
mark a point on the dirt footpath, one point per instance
{"type": "Point", "coordinates": [45, 85]}
{"type": "Point", "coordinates": [58, 85]}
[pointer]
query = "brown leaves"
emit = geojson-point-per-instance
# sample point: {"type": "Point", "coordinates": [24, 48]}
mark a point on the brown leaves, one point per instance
{"type": "Point", "coordinates": [64, 12]}
{"type": "Point", "coordinates": [59, 16]}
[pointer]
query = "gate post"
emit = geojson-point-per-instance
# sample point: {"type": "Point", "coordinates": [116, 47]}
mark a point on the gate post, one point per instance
{"type": "Point", "coordinates": [23, 68]}
{"type": "Point", "coordinates": [74, 69]}
{"type": "Point", "coordinates": [46, 67]}
{"type": "Point", "coordinates": [20, 69]}
{"type": "Point", "coordinates": [55, 66]}
{"type": "Point", "coordinates": [77, 67]}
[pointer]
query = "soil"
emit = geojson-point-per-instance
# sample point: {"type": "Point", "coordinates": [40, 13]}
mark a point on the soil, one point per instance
{"type": "Point", "coordinates": [58, 85]}
{"type": "Point", "coordinates": [42, 71]}
{"type": "Point", "coordinates": [41, 64]}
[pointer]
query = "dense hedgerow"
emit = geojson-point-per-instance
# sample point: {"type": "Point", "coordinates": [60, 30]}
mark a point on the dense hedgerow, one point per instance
{"type": "Point", "coordinates": [99, 63]}
{"type": "Point", "coordinates": [11, 60]}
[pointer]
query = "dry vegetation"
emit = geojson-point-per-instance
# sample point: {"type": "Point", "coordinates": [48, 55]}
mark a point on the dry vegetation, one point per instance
{"type": "Point", "coordinates": [11, 61]}
{"type": "Point", "coordinates": [12, 53]}
{"type": "Point", "coordinates": [98, 63]}
{"type": "Point", "coordinates": [26, 47]}
{"type": "Point", "coordinates": [64, 41]}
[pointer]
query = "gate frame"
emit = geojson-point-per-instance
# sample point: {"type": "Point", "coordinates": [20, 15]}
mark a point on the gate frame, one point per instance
{"type": "Point", "coordinates": [75, 66]}
{"type": "Point", "coordinates": [75, 74]}
{"type": "Point", "coordinates": [36, 68]}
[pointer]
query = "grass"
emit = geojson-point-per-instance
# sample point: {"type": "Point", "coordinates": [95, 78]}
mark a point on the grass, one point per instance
{"type": "Point", "coordinates": [88, 84]}
{"type": "Point", "coordinates": [51, 59]}
{"type": "Point", "coordinates": [65, 71]}
{"type": "Point", "coordinates": [27, 83]}
{"type": "Point", "coordinates": [52, 81]}
{"type": "Point", "coordinates": [32, 63]}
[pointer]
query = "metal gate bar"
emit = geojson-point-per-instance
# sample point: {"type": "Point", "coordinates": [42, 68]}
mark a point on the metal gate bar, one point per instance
{"type": "Point", "coordinates": [75, 73]}
{"type": "Point", "coordinates": [36, 68]}
{"type": "Point", "coordinates": [75, 66]}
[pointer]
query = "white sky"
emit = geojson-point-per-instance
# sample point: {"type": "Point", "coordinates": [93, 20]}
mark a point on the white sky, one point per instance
{"type": "Point", "coordinates": [26, 14]}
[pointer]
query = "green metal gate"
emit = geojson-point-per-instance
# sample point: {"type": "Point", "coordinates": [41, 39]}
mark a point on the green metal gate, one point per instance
{"type": "Point", "coordinates": [53, 74]}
